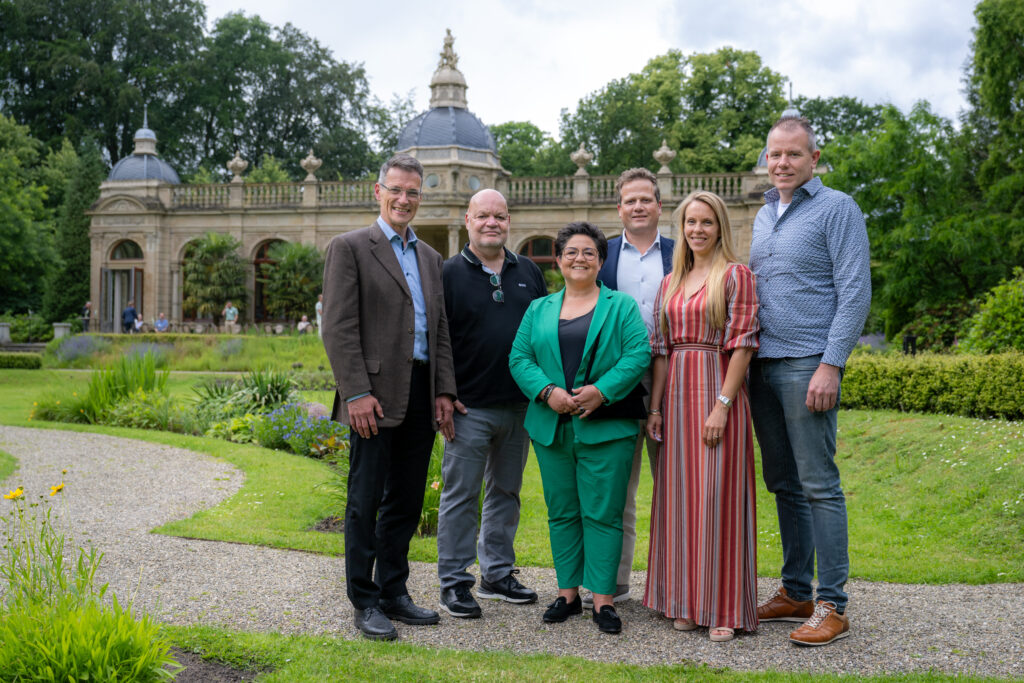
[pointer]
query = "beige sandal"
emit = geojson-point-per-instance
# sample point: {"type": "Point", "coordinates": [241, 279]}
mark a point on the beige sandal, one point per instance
{"type": "Point", "coordinates": [722, 634]}
{"type": "Point", "coordinates": [684, 625]}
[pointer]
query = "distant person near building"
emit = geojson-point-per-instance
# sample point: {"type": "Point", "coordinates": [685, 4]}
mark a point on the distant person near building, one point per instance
{"type": "Point", "coordinates": [810, 258]}
{"type": "Point", "coordinates": [487, 289]}
{"type": "Point", "coordinates": [128, 317]}
{"type": "Point", "coordinates": [230, 314]}
{"type": "Point", "coordinates": [160, 325]}
{"type": "Point", "coordinates": [86, 315]}
{"type": "Point", "coordinates": [304, 325]}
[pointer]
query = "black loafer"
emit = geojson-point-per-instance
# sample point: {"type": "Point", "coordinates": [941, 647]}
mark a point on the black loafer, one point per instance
{"type": "Point", "coordinates": [403, 609]}
{"type": "Point", "coordinates": [561, 609]}
{"type": "Point", "coordinates": [607, 620]}
{"type": "Point", "coordinates": [374, 625]}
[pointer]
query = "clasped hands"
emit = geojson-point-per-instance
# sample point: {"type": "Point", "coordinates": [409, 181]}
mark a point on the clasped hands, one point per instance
{"type": "Point", "coordinates": [582, 401]}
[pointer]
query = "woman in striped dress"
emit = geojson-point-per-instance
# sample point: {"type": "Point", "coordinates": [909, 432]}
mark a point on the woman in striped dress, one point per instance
{"type": "Point", "coordinates": [702, 567]}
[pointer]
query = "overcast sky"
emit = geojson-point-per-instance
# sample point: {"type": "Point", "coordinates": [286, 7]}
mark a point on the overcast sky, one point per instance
{"type": "Point", "coordinates": [529, 59]}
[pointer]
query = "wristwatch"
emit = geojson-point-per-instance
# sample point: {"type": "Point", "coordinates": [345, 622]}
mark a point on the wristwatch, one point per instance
{"type": "Point", "coordinates": [724, 400]}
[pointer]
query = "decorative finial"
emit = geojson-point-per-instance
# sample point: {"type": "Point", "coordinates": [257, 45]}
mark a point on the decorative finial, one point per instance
{"type": "Point", "coordinates": [581, 158]}
{"type": "Point", "coordinates": [310, 165]}
{"type": "Point", "coordinates": [145, 116]}
{"type": "Point", "coordinates": [448, 56]}
{"type": "Point", "coordinates": [664, 156]}
{"type": "Point", "coordinates": [237, 166]}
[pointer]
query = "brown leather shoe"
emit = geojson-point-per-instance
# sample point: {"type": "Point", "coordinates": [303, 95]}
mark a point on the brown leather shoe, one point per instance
{"type": "Point", "coordinates": [824, 626]}
{"type": "Point", "coordinates": [780, 607]}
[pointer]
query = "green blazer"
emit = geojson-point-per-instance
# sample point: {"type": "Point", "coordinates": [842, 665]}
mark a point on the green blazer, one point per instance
{"type": "Point", "coordinates": [619, 363]}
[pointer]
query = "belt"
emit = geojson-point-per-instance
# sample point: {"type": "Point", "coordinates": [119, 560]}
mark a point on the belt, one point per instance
{"type": "Point", "coordinates": [715, 348]}
{"type": "Point", "coordinates": [419, 363]}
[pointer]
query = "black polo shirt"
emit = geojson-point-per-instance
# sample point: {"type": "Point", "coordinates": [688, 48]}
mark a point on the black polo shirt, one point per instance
{"type": "Point", "coordinates": [481, 329]}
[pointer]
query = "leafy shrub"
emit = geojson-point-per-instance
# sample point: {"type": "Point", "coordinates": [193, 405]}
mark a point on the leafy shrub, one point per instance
{"type": "Point", "coordinates": [153, 410]}
{"type": "Point", "coordinates": [67, 350]}
{"type": "Point", "coordinates": [970, 385]}
{"type": "Point", "coordinates": [263, 390]}
{"type": "Point", "coordinates": [107, 388]}
{"type": "Point", "coordinates": [28, 328]}
{"type": "Point", "coordinates": [92, 642]}
{"type": "Point", "coordinates": [309, 380]}
{"type": "Point", "coordinates": [230, 347]}
{"type": "Point", "coordinates": [237, 429]}
{"type": "Point", "coordinates": [432, 493]}
{"type": "Point", "coordinates": [940, 329]}
{"type": "Point", "coordinates": [291, 428]}
{"type": "Point", "coordinates": [23, 361]}
{"type": "Point", "coordinates": [999, 323]}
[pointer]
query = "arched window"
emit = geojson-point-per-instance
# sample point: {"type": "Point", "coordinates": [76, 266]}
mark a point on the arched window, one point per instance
{"type": "Point", "coordinates": [540, 250]}
{"type": "Point", "coordinates": [259, 295]}
{"type": "Point", "coordinates": [126, 250]}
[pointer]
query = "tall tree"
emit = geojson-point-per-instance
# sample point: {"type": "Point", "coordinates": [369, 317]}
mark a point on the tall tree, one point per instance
{"type": "Point", "coordinates": [997, 77]}
{"type": "Point", "coordinates": [842, 115]}
{"type": "Point", "coordinates": [714, 109]}
{"type": "Point", "coordinates": [26, 244]}
{"type": "Point", "coordinates": [79, 68]}
{"type": "Point", "coordinates": [526, 150]}
{"type": "Point", "coordinates": [68, 286]}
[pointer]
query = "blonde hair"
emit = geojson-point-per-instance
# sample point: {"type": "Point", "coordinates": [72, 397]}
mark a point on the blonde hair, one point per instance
{"type": "Point", "coordinates": [682, 261]}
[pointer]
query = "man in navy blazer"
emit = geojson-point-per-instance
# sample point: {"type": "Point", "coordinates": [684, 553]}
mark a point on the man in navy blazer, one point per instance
{"type": "Point", "coordinates": [637, 262]}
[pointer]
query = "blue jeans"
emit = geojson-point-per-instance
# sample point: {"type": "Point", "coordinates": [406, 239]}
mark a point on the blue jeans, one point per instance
{"type": "Point", "coordinates": [798, 450]}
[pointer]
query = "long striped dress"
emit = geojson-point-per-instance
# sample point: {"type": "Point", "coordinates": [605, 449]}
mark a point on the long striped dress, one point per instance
{"type": "Point", "coordinates": [703, 556]}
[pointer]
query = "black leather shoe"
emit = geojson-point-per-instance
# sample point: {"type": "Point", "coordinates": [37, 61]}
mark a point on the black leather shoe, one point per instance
{"type": "Point", "coordinates": [561, 609]}
{"type": "Point", "coordinates": [374, 625]}
{"type": "Point", "coordinates": [403, 609]}
{"type": "Point", "coordinates": [607, 620]}
{"type": "Point", "coordinates": [508, 589]}
{"type": "Point", "coordinates": [458, 602]}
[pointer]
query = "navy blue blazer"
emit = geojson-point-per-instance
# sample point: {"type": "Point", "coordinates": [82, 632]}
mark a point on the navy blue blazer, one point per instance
{"type": "Point", "coordinates": [609, 271]}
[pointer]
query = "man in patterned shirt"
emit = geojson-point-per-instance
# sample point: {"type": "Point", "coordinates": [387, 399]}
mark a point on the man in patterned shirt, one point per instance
{"type": "Point", "coordinates": [810, 256]}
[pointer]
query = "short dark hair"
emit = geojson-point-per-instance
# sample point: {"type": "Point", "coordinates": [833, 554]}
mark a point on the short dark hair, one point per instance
{"type": "Point", "coordinates": [791, 121]}
{"type": "Point", "coordinates": [631, 174]}
{"type": "Point", "coordinates": [582, 228]}
{"type": "Point", "coordinates": [402, 161]}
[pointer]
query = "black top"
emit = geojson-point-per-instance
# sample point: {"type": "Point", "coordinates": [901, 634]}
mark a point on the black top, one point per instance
{"type": "Point", "coordinates": [482, 330]}
{"type": "Point", "coordinates": [572, 337]}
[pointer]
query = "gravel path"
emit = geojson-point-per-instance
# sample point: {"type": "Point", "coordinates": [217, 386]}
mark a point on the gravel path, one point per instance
{"type": "Point", "coordinates": [119, 489]}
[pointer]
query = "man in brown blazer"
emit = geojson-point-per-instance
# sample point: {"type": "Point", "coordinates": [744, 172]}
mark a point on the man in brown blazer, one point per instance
{"type": "Point", "coordinates": [386, 336]}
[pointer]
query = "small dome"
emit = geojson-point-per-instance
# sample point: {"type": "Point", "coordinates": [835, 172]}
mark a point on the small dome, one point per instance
{"type": "Point", "coordinates": [145, 134]}
{"type": "Point", "coordinates": [443, 126]}
{"type": "Point", "coordinates": [144, 167]}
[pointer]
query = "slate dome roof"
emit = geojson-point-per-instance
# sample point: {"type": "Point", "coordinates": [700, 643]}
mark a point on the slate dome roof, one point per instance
{"type": "Point", "coordinates": [143, 163]}
{"type": "Point", "coordinates": [144, 167]}
{"type": "Point", "coordinates": [443, 126]}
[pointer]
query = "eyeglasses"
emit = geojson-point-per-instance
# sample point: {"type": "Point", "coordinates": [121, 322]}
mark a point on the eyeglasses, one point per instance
{"type": "Point", "coordinates": [572, 252]}
{"type": "Point", "coordinates": [412, 195]}
{"type": "Point", "coordinates": [497, 295]}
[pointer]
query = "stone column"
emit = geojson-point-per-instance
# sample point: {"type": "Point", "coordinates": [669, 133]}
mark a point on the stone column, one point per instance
{"type": "Point", "coordinates": [236, 190]}
{"type": "Point", "coordinates": [664, 156]}
{"type": "Point", "coordinates": [581, 180]}
{"type": "Point", "coordinates": [5, 333]}
{"type": "Point", "coordinates": [453, 240]}
{"type": "Point", "coordinates": [176, 293]}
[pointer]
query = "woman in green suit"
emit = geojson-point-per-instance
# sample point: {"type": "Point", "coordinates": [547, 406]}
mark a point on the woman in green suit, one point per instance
{"type": "Point", "coordinates": [584, 463]}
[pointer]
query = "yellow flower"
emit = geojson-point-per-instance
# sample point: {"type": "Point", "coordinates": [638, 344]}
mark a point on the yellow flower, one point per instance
{"type": "Point", "coordinates": [63, 471]}
{"type": "Point", "coordinates": [58, 402]}
{"type": "Point", "coordinates": [15, 494]}
{"type": "Point", "coordinates": [54, 490]}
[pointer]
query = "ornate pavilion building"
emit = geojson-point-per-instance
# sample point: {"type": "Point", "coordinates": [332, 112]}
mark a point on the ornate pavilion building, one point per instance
{"type": "Point", "coordinates": [145, 217]}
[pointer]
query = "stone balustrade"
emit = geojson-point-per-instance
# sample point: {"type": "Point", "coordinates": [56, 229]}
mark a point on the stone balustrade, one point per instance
{"type": "Point", "coordinates": [203, 196]}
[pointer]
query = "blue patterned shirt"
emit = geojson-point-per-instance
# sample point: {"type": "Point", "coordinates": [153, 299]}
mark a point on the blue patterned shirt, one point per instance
{"type": "Point", "coordinates": [813, 274]}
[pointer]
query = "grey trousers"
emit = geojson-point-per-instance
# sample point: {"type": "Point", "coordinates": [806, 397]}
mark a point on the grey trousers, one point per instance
{"type": "Point", "coordinates": [490, 448]}
{"type": "Point", "coordinates": [629, 513]}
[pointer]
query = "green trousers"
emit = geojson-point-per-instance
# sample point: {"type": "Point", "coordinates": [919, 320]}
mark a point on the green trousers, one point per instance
{"type": "Point", "coordinates": [585, 491]}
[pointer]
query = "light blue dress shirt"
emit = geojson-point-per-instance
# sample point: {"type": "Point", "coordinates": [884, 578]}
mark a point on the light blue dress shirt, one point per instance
{"type": "Point", "coordinates": [812, 266]}
{"type": "Point", "coordinates": [640, 276]}
{"type": "Point", "coordinates": [406, 255]}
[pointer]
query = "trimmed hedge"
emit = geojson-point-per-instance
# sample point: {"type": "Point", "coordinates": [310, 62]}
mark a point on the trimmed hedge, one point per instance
{"type": "Point", "coordinates": [970, 385]}
{"type": "Point", "coordinates": [22, 361]}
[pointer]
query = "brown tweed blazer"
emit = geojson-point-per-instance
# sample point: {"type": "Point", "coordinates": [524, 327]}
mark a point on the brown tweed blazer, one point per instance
{"type": "Point", "coordinates": [368, 323]}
